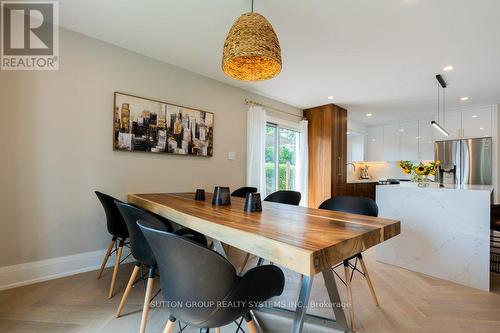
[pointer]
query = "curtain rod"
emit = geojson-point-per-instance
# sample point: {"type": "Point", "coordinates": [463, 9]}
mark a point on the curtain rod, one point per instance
{"type": "Point", "coordinates": [250, 102]}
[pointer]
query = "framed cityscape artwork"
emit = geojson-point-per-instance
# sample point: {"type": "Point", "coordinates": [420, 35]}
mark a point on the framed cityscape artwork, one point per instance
{"type": "Point", "coordinates": [142, 124]}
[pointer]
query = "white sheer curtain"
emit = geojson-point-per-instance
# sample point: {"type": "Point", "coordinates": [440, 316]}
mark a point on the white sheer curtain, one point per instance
{"type": "Point", "coordinates": [256, 141]}
{"type": "Point", "coordinates": [302, 174]}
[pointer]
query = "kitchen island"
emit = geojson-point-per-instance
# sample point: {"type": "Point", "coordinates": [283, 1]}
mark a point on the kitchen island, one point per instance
{"type": "Point", "coordinates": [444, 231]}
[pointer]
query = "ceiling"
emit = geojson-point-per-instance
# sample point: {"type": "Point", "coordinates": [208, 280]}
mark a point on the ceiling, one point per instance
{"type": "Point", "coordinates": [371, 56]}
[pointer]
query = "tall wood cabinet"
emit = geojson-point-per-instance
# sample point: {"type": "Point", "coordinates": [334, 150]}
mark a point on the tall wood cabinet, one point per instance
{"type": "Point", "coordinates": [327, 139]}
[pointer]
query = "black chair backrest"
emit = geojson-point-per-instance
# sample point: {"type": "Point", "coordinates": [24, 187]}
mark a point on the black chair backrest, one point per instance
{"type": "Point", "coordinates": [242, 191]}
{"type": "Point", "coordinates": [354, 205]}
{"type": "Point", "coordinates": [114, 220]}
{"type": "Point", "coordinates": [285, 197]}
{"type": "Point", "coordinates": [190, 273]}
{"type": "Point", "coordinates": [139, 246]}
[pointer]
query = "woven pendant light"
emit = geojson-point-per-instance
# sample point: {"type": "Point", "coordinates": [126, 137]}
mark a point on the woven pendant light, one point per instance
{"type": "Point", "coordinates": [252, 50]}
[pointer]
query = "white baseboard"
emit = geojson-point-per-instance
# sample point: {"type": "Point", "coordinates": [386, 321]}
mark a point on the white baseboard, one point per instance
{"type": "Point", "coordinates": [49, 269]}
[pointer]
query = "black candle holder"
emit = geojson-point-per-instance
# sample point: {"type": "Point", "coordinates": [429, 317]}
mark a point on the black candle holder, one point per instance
{"type": "Point", "coordinates": [222, 196]}
{"type": "Point", "coordinates": [253, 203]}
{"type": "Point", "coordinates": [200, 195]}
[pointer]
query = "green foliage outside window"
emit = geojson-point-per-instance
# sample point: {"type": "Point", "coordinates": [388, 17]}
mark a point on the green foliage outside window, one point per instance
{"type": "Point", "coordinates": [282, 174]}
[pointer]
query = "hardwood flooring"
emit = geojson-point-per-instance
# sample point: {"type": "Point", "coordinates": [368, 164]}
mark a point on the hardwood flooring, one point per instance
{"type": "Point", "coordinates": [409, 303]}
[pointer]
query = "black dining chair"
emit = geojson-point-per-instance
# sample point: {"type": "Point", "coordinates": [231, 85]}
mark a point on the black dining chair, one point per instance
{"type": "Point", "coordinates": [360, 206]}
{"type": "Point", "coordinates": [202, 276]}
{"type": "Point", "coordinates": [242, 191]}
{"type": "Point", "coordinates": [118, 230]}
{"type": "Point", "coordinates": [285, 197]}
{"type": "Point", "coordinates": [141, 251]}
{"type": "Point", "coordinates": [494, 238]}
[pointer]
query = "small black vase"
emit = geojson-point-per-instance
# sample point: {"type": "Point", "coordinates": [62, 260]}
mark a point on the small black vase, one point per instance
{"type": "Point", "coordinates": [200, 195]}
{"type": "Point", "coordinates": [253, 203]}
{"type": "Point", "coordinates": [222, 196]}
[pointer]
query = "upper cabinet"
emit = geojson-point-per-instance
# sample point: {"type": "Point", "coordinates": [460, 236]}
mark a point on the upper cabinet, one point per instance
{"type": "Point", "coordinates": [408, 141]}
{"type": "Point", "coordinates": [391, 143]}
{"type": "Point", "coordinates": [375, 142]}
{"type": "Point", "coordinates": [425, 140]}
{"type": "Point", "coordinates": [452, 123]}
{"type": "Point", "coordinates": [355, 147]}
{"type": "Point", "coordinates": [414, 140]}
{"type": "Point", "coordinates": [477, 123]}
{"type": "Point", "coordinates": [473, 123]}
{"type": "Point", "coordinates": [400, 141]}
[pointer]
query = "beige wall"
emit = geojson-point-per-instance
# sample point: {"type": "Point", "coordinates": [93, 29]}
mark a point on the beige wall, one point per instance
{"type": "Point", "coordinates": [56, 145]}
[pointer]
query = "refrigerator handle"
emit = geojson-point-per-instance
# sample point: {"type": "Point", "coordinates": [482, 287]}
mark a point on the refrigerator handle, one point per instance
{"type": "Point", "coordinates": [464, 165]}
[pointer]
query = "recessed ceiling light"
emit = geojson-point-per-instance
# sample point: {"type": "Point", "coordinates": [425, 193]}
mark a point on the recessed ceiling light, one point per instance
{"type": "Point", "coordinates": [447, 68]}
{"type": "Point", "coordinates": [401, 130]}
{"type": "Point", "coordinates": [474, 116]}
{"type": "Point", "coordinates": [369, 114]}
{"type": "Point", "coordinates": [348, 133]}
{"type": "Point", "coordinates": [481, 128]}
{"type": "Point", "coordinates": [465, 98]}
{"type": "Point", "coordinates": [330, 97]}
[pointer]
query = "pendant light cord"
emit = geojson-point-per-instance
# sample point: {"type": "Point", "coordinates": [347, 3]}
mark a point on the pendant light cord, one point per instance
{"type": "Point", "coordinates": [439, 103]}
{"type": "Point", "coordinates": [444, 107]}
{"type": "Point", "coordinates": [252, 6]}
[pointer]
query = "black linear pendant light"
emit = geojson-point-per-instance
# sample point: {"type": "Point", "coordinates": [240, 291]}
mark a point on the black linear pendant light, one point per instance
{"type": "Point", "coordinates": [435, 124]}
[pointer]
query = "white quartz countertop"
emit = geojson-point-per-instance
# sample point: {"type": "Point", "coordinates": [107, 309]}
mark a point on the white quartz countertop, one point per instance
{"type": "Point", "coordinates": [462, 187]}
{"type": "Point", "coordinates": [355, 181]}
{"type": "Point", "coordinates": [444, 231]}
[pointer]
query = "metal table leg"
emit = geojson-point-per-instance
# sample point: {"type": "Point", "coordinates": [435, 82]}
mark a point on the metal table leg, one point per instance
{"type": "Point", "coordinates": [300, 316]}
{"type": "Point", "coordinates": [333, 294]}
{"type": "Point", "coordinates": [300, 311]}
{"type": "Point", "coordinates": [219, 248]}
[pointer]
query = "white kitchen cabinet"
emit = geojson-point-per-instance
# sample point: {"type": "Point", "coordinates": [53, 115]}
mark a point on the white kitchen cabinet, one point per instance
{"type": "Point", "coordinates": [355, 147]}
{"type": "Point", "coordinates": [477, 123]}
{"type": "Point", "coordinates": [452, 123]}
{"type": "Point", "coordinates": [408, 141]}
{"type": "Point", "coordinates": [391, 142]}
{"type": "Point", "coordinates": [425, 140]}
{"type": "Point", "coordinates": [375, 141]}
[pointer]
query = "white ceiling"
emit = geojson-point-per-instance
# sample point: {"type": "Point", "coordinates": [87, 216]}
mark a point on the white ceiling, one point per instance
{"type": "Point", "coordinates": [377, 56]}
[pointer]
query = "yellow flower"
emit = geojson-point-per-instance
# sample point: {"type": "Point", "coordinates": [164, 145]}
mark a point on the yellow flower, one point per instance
{"type": "Point", "coordinates": [420, 170]}
{"type": "Point", "coordinates": [406, 170]}
{"type": "Point", "coordinates": [438, 162]}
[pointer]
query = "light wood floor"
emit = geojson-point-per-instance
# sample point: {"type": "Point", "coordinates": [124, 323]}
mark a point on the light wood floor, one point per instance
{"type": "Point", "coordinates": [409, 303]}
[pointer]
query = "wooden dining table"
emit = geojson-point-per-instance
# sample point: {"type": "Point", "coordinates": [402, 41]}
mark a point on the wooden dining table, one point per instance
{"type": "Point", "coordinates": [305, 240]}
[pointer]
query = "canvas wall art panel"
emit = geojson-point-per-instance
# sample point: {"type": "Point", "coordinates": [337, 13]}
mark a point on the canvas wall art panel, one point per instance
{"type": "Point", "coordinates": [142, 124]}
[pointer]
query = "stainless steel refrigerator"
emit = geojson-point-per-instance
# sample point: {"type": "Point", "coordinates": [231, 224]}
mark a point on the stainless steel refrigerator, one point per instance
{"type": "Point", "coordinates": [467, 161]}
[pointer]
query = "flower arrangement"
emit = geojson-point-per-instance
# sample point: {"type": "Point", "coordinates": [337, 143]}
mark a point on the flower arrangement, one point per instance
{"type": "Point", "coordinates": [419, 171]}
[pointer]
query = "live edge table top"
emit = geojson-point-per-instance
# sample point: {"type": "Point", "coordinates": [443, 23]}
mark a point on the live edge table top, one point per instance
{"type": "Point", "coordinates": [302, 239]}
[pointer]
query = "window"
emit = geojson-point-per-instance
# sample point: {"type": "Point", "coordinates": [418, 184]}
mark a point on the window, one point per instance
{"type": "Point", "coordinates": [281, 158]}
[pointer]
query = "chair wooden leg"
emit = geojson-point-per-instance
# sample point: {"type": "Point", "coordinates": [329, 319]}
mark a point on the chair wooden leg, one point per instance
{"type": "Point", "coordinates": [147, 298]}
{"type": "Point", "coordinates": [106, 257]}
{"type": "Point", "coordinates": [128, 289]}
{"type": "Point", "coordinates": [349, 295]}
{"type": "Point", "coordinates": [244, 263]}
{"type": "Point", "coordinates": [169, 328]}
{"type": "Point", "coordinates": [368, 280]}
{"type": "Point", "coordinates": [217, 330]}
{"type": "Point", "coordinates": [115, 269]}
